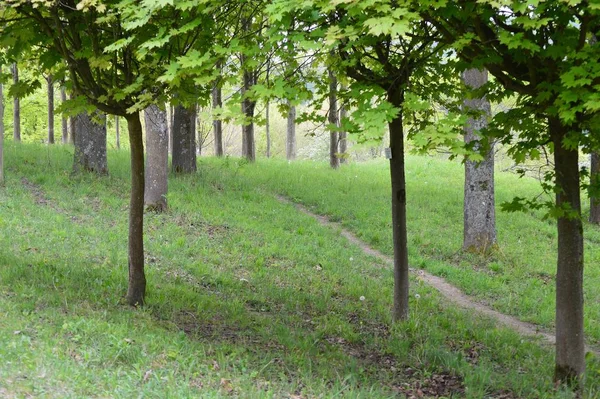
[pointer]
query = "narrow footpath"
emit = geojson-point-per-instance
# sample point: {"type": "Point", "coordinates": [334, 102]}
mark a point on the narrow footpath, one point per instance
{"type": "Point", "coordinates": [449, 291]}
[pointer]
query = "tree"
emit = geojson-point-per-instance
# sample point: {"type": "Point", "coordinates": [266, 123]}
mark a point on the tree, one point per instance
{"type": "Point", "coordinates": [1, 132]}
{"type": "Point", "coordinates": [89, 139]}
{"type": "Point", "coordinates": [117, 133]}
{"type": "Point", "coordinates": [334, 161]}
{"type": "Point", "coordinates": [64, 119]}
{"type": "Point", "coordinates": [540, 52]}
{"type": "Point", "coordinates": [249, 79]}
{"type": "Point", "coordinates": [184, 139]}
{"type": "Point", "coordinates": [16, 106]}
{"type": "Point", "coordinates": [595, 180]}
{"type": "Point", "coordinates": [479, 203]}
{"type": "Point", "coordinates": [291, 133]}
{"type": "Point", "coordinates": [217, 103]}
{"type": "Point", "coordinates": [157, 159]}
{"type": "Point", "coordinates": [50, 83]}
{"type": "Point", "coordinates": [343, 135]}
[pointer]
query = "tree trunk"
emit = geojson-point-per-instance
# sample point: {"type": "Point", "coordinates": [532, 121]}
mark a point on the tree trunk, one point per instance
{"type": "Point", "coordinates": [248, 105]}
{"type": "Point", "coordinates": [479, 234]}
{"type": "Point", "coordinates": [396, 128]}
{"type": "Point", "coordinates": [89, 138]}
{"type": "Point", "coordinates": [170, 127]}
{"type": "Point", "coordinates": [50, 109]}
{"type": "Point", "coordinates": [1, 133]}
{"type": "Point", "coordinates": [334, 161]}
{"type": "Point", "coordinates": [570, 349]}
{"type": "Point", "coordinates": [268, 129]}
{"type": "Point", "coordinates": [184, 140]}
{"type": "Point", "coordinates": [117, 133]}
{"type": "Point", "coordinates": [136, 289]}
{"type": "Point", "coordinates": [217, 123]}
{"type": "Point", "coordinates": [199, 132]}
{"type": "Point", "coordinates": [595, 179]}
{"type": "Point", "coordinates": [16, 107]}
{"type": "Point", "coordinates": [157, 159]}
{"type": "Point", "coordinates": [65, 121]}
{"type": "Point", "coordinates": [343, 136]}
{"type": "Point", "coordinates": [291, 133]}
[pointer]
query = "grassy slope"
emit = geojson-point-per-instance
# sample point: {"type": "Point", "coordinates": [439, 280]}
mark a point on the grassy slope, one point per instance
{"type": "Point", "coordinates": [237, 304]}
{"type": "Point", "coordinates": [517, 279]}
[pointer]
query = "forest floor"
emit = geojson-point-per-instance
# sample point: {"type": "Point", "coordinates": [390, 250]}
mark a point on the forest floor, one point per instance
{"type": "Point", "coordinates": [248, 296]}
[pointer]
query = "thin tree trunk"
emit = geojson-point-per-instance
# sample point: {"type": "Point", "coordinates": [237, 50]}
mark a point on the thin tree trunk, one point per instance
{"type": "Point", "coordinates": [291, 133]}
{"type": "Point", "coordinates": [595, 178]}
{"type": "Point", "coordinates": [136, 289]}
{"type": "Point", "coordinates": [117, 132]}
{"type": "Point", "coordinates": [50, 81]}
{"type": "Point", "coordinates": [217, 123]}
{"type": "Point", "coordinates": [1, 133]}
{"type": "Point", "coordinates": [16, 107]}
{"type": "Point", "coordinates": [248, 105]}
{"type": "Point", "coordinates": [570, 349]}
{"type": "Point", "coordinates": [334, 161]}
{"type": "Point", "coordinates": [184, 140]}
{"type": "Point", "coordinates": [170, 127]}
{"type": "Point", "coordinates": [479, 204]}
{"type": "Point", "coordinates": [89, 138]}
{"type": "Point", "coordinates": [65, 121]}
{"type": "Point", "coordinates": [268, 130]}
{"type": "Point", "coordinates": [396, 128]}
{"type": "Point", "coordinates": [199, 132]}
{"type": "Point", "coordinates": [157, 159]}
{"type": "Point", "coordinates": [343, 135]}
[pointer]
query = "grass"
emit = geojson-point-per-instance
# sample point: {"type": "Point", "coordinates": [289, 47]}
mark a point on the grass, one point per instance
{"type": "Point", "coordinates": [247, 297]}
{"type": "Point", "coordinates": [518, 278]}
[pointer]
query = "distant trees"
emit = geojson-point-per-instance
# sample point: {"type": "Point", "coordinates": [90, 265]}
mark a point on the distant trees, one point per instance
{"type": "Point", "coordinates": [334, 161]}
{"type": "Point", "coordinates": [50, 84]}
{"type": "Point", "coordinates": [184, 139]}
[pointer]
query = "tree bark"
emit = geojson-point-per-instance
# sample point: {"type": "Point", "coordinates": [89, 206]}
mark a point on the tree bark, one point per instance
{"type": "Point", "coordinates": [16, 107]}
{"type": "Point", "coordinates": [136, 289]}
{"type": "Point", "coordinates": [595, 178]}
{"type": "Point", "coordinates": [89, 138]}
{"type": "Point", "coordinates": [157, 159]}
{"type": "Point", "coordinates": [217, 123]}
{"type": "Point", "coordinates": [291, 133]}
{"type": "Point", "coordinates": [117, 133]}
{"type": "Point", "coordinates": [184, 140]}
{"type": "Point", "coordinates": [343, 136]}
{"type": "Point", "coordinates": [479, 234]}
{"type": "Point", "coordinates": [570, 349]}
{"type": "Point", "coordinates": [248, 106]}
{"type": "Point", "coordinates": [268, 129]}
{"type": "Point", "coordinates": [1, 133]}
{"type": "Point", "coordinates": [396, 128]}
{"type": "Point", "coordinates": [50, 81]}
{"type": "Point", "coordinates": [65, 121]}
{"type": "Point", "coordinates": [334, 161]}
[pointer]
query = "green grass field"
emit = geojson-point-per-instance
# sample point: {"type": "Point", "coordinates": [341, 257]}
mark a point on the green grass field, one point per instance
{"type": "Point", "coordinates": [250, 298]}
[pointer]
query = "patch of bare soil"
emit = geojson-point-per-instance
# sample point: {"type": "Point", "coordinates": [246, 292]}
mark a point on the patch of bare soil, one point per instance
{"type": "Point", "coordinates": [436, 385]}
{"type": "Point", "coordinates": [449, 291]}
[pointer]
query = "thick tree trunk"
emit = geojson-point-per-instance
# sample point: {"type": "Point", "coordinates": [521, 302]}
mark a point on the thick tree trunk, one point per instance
{"type": "Point", "coordinates": [50, 81]}
{"type": "Point", "coordinates": [396, 128]}
{"type": "Point", "coordinates": [479, 234]}
{"type": "Point", "coordinates": [157, 159]}
{"type": "Point", "coordinates": [570, 349]}
{"type": "Point", "coordinates": [117, 133]}
{"type": "Point", "coordinates": [343, 136]}
{"type": "Point", "coordinates": [89, 138]}
{"type": "Point", "coordinates": [1, 133]}
{"type": "Point", "coordinates": [291, 133]}
{"type": "Point", "coordinates": [184, 140]}
{"type": "Point", "coordinates": [268, 129]}
{"type": "Point", "coordinates": [199, 133]}
{"type": "Point", "coordinates": [334, 161]}
{"type": "Point", "coordinates": [217, 123]}
{"type": "Point", "coordinates": [65, 120]}
{"type": "Point", "coordinates": [136, 289]}
{"type": "Point", "coordinates": [16, 107]}
{"type": "Point", "coordinates": [595, 177]}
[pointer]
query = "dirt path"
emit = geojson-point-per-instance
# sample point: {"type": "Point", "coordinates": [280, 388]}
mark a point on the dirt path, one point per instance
{"type": "Point", "coordinates": [446, 289]}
